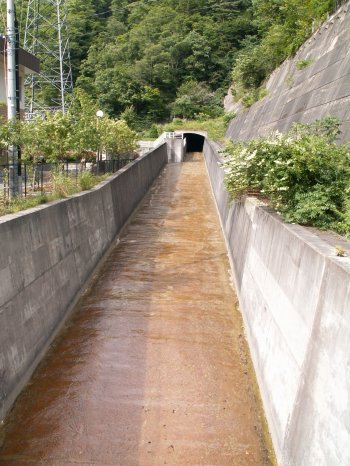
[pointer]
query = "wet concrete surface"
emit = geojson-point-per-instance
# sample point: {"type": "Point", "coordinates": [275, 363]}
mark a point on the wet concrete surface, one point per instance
{"type": "Point", "coordinates": [152, 368]}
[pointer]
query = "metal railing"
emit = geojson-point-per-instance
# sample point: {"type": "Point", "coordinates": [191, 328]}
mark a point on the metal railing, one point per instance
{"type": "Point", "coordinates": [173, 135]}
{"type": "Point", "coordinates": [37, 178]}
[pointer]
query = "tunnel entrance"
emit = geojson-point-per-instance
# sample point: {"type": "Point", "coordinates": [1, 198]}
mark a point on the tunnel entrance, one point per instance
{"type": "Point", "coordinates": [195, 142]}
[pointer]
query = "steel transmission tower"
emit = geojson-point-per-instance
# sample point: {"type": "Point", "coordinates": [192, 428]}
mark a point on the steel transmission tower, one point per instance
{"type": "Point", "coordinates": [46, 36]}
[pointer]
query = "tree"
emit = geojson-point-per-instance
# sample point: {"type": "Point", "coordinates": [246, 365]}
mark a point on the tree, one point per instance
{"type": "Point", "coordinates": [86, 137]}
{"type": "Point", "coordinates": [116, 137]}
{"type": "Point", "coordinates": [49, 138]}
{"type": "Point", "coordinates": [82, 31]}
{"type": "Point", "coordinates": [162, 45]}
{"type": "Point", "coordinates": [192, 99]}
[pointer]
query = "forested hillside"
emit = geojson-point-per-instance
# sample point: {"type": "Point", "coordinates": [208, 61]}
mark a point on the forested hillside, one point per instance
{"type": "Point", "coordinates": [156, 59]}
{"type": "Point", "coordinates": [149, 60]}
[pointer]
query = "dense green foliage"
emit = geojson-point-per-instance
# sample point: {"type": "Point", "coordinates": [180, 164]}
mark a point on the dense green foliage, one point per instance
{"type": "Point", "coordinates": [164, 58]}
{"type": "Point", "coordinates": [146, 60]}
{"type": "Point", "coordinates": [167, 58]}
{"type": "Point", "coordinates": [282, 26]}
{"type": "Point", "coordinates": [73, 135]}
{"type": "Point", "coordinates": [215, 127]}
{"type": "Point", "coordinates": [140, 57]}
{"type": "Point", "coordinates": [303, 174]}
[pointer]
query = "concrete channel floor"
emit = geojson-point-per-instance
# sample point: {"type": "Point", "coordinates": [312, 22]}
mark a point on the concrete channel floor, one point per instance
{"type": "Point", "coordinates": [152, 368]}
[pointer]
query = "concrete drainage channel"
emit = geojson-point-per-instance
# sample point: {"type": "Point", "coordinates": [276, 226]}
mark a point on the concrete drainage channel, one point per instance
{"type": "Point", "coordinates": [295, 318]}
{"type": "Point", "coordinates": [50, 253]}
{"type": "Point", "coordinates": [152, 368]}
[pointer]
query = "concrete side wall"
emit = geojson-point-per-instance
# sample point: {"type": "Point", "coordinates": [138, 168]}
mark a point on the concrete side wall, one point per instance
{"type": "Point", "coordinates": [294, 295]}
{"type": "Point", "coordinates": [321, 89]}
{"type": "Point", "coordinates": [176, 150]}
{"type": "Point", "coordinates": [47, 255]}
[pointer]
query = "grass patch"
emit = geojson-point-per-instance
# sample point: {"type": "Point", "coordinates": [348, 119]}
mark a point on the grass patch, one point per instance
{"type": "Point", "coordinates": [18, 204]}
{"type": "Point", "coordinates": [289, 81]}
{"type": "Point", "coordinates": [250, 98]}
{"type": "Point", "coordinates": [215, 127]}
{"type": "Point", "coordinates": [62, 187]}
{"type": "Point", "coordinates": [302, 64]}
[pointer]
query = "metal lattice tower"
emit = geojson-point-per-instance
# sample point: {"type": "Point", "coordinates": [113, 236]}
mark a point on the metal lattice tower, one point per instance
{"type": "Point", "coordinates": [46, 36]}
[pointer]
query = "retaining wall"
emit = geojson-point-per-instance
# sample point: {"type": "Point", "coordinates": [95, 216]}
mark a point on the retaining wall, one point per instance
{"type": "Point", "coordinates": [321, 89]}
{"type": "Point", "coordinates": [294, 295]}
{"type": "Point", "coordinates": [176, 149]}
{"type": "Point", "coordinates": [46, 256]}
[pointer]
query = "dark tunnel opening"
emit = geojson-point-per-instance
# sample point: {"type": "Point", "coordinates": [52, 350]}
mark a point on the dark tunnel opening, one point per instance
{"type": "Point", "coordinates": [195, 142]}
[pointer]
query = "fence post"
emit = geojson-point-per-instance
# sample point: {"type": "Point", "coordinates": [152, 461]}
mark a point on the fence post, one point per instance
{"type": "Point", "coordinates": [42, 178]}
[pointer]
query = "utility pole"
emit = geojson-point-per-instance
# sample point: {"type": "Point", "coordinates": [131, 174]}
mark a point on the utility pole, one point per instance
{"type": "Point", "coordinates": [14, 179]}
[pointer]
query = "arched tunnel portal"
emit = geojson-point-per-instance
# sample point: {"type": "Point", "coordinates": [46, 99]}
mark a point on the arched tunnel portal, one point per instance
{"type": "Point", "coordinates": [195, 142]}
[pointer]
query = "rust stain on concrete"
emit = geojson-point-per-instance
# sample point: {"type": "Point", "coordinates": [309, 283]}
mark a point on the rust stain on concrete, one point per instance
{"type": "Point", "coordinates": [151, 368]}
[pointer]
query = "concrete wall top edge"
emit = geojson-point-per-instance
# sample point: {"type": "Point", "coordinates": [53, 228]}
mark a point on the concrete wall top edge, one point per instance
{"type": "Point", "coordinates": [42, 207]}
{"type": "Point", "coordinates": [101, 185]}
{"type": "Point", "coordinates": [190, 131]}
{"type": "Point", "coordinates": [151, 149]}
{"type": "Point", "coordinates": [322, 247]}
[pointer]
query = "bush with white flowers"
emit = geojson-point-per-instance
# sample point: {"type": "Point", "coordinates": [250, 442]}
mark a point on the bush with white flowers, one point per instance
{"type": "Point", "coordinates": [303, 174]}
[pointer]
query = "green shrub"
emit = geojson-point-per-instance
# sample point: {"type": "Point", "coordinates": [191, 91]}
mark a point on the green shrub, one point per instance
{"type": "Point", "coordinates": [86, 180]}
{"type": "Point", "coordinates": [21, 203]}
{"type": "Point", "coordinates": [228, 117]}
{"type": "Point", "coordinates": [304, 175]}
{"type": "Point", "coordinates": [318, 207]}
{"type": "Point", "coordinates": [196, 101]}
{"type": "Point", "coordinates": [328, 127]}
{"type": "Point", "coordinates": [301, 64]}
{"type": "Point", "coordinates": [62, 185]}
{"type": "Point", "coordinates": [253, 96]}
{"type": "Point", "coordinates": [153, 132]}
